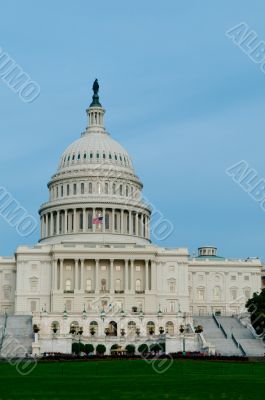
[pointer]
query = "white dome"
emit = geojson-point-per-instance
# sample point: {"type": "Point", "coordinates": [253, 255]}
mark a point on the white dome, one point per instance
{"type": "Point", "coordinates": [95, 148]}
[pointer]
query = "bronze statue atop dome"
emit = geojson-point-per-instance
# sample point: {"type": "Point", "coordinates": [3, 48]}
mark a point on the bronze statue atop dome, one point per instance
{"type": "Point", "coordinates": [95, 86]}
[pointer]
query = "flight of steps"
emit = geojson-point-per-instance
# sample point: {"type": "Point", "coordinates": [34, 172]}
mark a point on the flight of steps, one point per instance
{"type": "Point", "coordinates": [215, 336]}
{"type": "Point", "coordinates": [244, 343]}
{"type": "Point", "coordinates": [16, 336]}
{"type": "Point", "coordinates": [251, 345]}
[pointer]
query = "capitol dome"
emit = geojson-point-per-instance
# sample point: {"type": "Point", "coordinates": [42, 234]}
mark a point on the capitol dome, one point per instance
{"type": "Point", "coordinates": [94, 148]}
{"type": "Point", "coordinates": [95, 194]}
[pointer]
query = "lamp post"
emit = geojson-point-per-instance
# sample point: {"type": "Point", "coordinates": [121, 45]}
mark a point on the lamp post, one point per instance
{"type": "Point", "coordinates": [182, 330]}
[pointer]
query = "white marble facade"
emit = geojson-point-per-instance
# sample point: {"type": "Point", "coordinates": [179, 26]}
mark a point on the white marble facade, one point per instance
{"type": "Point", "coordinates": [105, 272]}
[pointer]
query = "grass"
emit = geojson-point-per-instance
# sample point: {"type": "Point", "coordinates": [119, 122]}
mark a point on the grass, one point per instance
{"type": "Point", "coordinates": [136, 379]}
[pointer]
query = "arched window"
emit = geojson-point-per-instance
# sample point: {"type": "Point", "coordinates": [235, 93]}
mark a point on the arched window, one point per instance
{"type": "Point", "coordinates": [170, 328]}
{"type": "Point", "coordinates": [74, 327]}
{"type": "Point", "coordinates": [201, 293]}
{"type": "Point", "coordinates": [68, 285]}
{"type": "Point", "coordinates": [121, 190]}
{"type": "Point", "coordinates": [115, 222]}
{"type": "Point", "coordinates": [150, 328]}
{"type": "Point", "coordinates": [113, 188]}
{"type": "Point", "coordinates": [90, 189]}
{"type": "Point", "coordinates": [131, 327]}
{"type": "Point", "coordinates": [106, 188]}
{"type": "Point", "coordinates": [247, 293]}
{"type": "Point", "coordinates": [138, 285]}
{"type": "Point", "coordinates": [217, 293]}
{"type": "Point", "coordinates": [61, 191]}
{"type": "Point", "coordinates": [89, 285]}
{"type": "Point", "coordinates": [82, 188]}
{"type": "Point", "coordinates": [118, 285]}
{"type": "Point", "coordinates": [55, 327]}
{"type": "Point", "coordinates": [93, 327]}
{"type": "Point", "coordinates": [172, 285]}
{"type": "Point", "coordinates": [74, 188]}
{"type": "Point", "coordinates": [127, 191]}
{"type": "Point", "coordinates": [233, 293]}
{"type": "Point", "coordinates": [68, 190]}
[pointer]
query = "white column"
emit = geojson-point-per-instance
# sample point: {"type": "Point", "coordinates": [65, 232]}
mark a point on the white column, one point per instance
{"type": "Point", "coordinates": [76, 275]}
{"type": "Point", "coordinates": [61, 273]}
{"type": "Point", "coordinates": [54, 275]}
{"type": "Point", "coordinates": [104, 216]}
{"type": "Point", "coordinates": [74, 222]}
{"type": "Point", "coordinates": [132, 277]}
{"type": "Point", "coordinates": [93, 216]}
{"type": "Point", "coordinates": [111, 276]}
{"type": "Point", "coordinates": [122, 221]}
{"type": "Point", "coordinates": [52, 226]}
{"type": "Point", "coordinates": [146, 275]}
{"type": "Point", "coordinates": [58, 223]}
{"type": "Point", "coordinates": [153, 275]}
{"type": "Point", "coordinates": [113, 220]}
{"type": "Point", "coordinates": [126, 277]}
{"type": "Point", "coordinates": [42, 227]}
{"type": "Point", "coordinates": [84, 220]}
{"type": "Point", "coordinates": [46, 225]}
{"type": "Point", "coordinates": [141, 225]}
{"type": "Point", "coordinates": [130, 222]}
{"type": "Point", "coordinates": [96, 276]}
{"type": "Point", "coordinates": [82, 275]}
{"type": "Point", "coordinates": [65, 221]}
{"type": "Point", "coordinates": [136, 224]}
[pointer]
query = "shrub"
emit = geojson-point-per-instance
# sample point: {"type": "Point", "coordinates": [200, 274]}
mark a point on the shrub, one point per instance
{"type": "Point", "coordinates": [89, 348]}
{"type": "Point", "coordinates": [77, 347]}
{"type": "Point", "coordinates": [114, 346]}
{"type": "Point", "coordinates": [130, 348]}
{"type": "Point", "coordinates": [155, 347]}
{"type": "Point", "coordinates": [143, 348]}
{"type": "Point", "coordinates": [100, 349]}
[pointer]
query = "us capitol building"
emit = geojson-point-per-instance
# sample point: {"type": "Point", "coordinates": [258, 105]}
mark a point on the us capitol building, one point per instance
{"type": "Point", "coordinates": [95, 271]}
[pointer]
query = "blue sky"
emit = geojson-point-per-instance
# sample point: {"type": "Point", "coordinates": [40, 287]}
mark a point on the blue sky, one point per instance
{"type": "Point", "coordinates": [180, 96]}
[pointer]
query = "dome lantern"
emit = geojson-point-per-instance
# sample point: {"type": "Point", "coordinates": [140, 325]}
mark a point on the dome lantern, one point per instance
{"type": "Point", "coordinates": [95, 111]}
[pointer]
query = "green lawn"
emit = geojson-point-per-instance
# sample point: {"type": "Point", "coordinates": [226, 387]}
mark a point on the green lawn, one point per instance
{"type": "Point", "coordinates": [136, 380]}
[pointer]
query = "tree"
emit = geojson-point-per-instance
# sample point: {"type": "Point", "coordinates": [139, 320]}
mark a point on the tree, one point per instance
{"type": "Point", "coordinates": [130, 348]}
{"type": "Point", "coordinates": [100, 349]}
{"type": "Point", "coordinates": [89, 348]}
{"type": "Point", "coordinates": [143, 348]}
{"type": "Point", "coordinates": [256, 308]}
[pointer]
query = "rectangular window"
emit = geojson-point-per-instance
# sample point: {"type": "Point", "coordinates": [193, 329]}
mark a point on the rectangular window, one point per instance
{"type": "Point", "coordinates": [107, 221]}
{"type": "Point", "coordinates": [89, 220]}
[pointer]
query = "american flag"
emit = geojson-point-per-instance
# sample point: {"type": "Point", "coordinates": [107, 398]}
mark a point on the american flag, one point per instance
{"type": "Point", "coordinates": [97, 220]}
